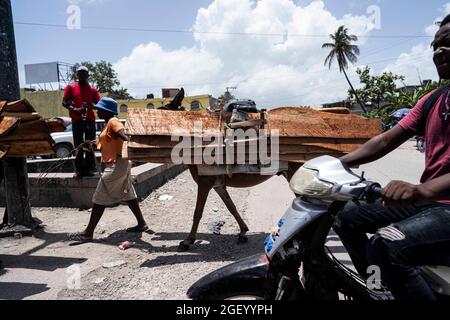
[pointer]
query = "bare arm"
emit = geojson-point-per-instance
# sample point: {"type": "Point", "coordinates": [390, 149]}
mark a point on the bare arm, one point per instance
{"type": "Point", "coordinates": [123, 136]}
{"type": "Point", "coordinates": [377, 147]}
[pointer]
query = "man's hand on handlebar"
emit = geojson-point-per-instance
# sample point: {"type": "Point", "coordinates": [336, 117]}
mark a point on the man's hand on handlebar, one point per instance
{"type": "Point", "coordinates": [402, 194]}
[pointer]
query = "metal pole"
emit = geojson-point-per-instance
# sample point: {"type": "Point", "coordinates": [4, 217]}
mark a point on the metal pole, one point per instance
{"type": "Point", "coordinates": [15, 169]}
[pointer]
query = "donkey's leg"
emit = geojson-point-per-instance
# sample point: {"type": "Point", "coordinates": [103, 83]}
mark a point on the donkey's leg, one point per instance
{"type": "Point", "coordinates": [225, 196]}
{"type": "Point", "coordinates": [204, 187]}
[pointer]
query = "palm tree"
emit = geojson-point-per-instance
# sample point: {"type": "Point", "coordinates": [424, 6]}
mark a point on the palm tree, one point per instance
{"type": "Point", "coordinates": [343, 51]}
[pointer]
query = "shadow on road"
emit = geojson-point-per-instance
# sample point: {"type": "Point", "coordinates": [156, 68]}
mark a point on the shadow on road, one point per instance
{"type": "Point", "coordinates": [208, 248]}
{"type": "Point", "coordinates": [19, 291]}
{"type": "Point", "coordinates": [38, 262]}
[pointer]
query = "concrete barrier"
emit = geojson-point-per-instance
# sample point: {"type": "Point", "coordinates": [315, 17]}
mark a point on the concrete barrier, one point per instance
{"type": "Point", "coordinates": [62, 190]}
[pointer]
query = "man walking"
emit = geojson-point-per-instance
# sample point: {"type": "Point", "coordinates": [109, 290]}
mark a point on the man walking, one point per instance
{"type": "Point", "coordinates": [79, 99]}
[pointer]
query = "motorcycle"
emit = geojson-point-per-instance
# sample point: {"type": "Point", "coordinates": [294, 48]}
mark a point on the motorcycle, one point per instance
{"type": "Point", "coordinates": [297, 264]}
{"type": "Point", "coordinates": [420, 144]}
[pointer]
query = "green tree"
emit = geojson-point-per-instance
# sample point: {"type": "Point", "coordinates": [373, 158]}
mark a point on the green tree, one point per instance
{"type": "Point", "coordinates": [102, 75]}
{"type": "Point", "coordinates": [399, 99]}
{"type": "Point", "coordinates": [120, 94]}
{"type": "Point", "coordinates": [343, 51]}
{"type": "Point", "coordinates": [378, 90]}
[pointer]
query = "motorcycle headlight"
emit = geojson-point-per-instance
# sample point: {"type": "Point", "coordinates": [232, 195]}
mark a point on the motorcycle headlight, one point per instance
{"type": "Point", "coordinates": [305, 182]}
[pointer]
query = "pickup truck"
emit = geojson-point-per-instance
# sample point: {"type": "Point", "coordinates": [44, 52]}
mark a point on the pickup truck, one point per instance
{"type": "Point", "coordinates": [64, 140]}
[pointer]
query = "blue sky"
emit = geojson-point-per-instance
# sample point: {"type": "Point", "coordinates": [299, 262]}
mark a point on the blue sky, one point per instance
{"type": "Point", "coordinates": [43, 44]}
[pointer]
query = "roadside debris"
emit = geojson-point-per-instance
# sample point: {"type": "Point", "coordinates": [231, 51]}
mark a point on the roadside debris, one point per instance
{"type": "Point", "coordinates": [9, 245]}
{"type": "Point", "coordinates": [215, 210]}
{"type": "Point", "coordinates": [18, 236]}
{"type": "Point", "coordinates": [165, 197]}
{"type": "Point", "coordinates": [114, 264]}
{"type": "Point", "coordinates": [127, 245]}
{"type": "Point", "coordinates": [216, 227]}
{"type": "Point", "coordinates": [99, 280]}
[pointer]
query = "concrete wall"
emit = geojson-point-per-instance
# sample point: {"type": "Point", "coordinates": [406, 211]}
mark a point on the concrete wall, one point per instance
{"type": "Point", "coordinates": [61, 190]}
{"type": "Point", "coordinates": [47, 103]}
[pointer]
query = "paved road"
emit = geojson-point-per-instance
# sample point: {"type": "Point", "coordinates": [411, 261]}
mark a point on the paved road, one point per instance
{"type": "Point", "coordinates": [36, 268]}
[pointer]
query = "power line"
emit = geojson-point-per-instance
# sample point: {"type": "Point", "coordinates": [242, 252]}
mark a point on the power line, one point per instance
{"type": "Point", "coordinates": [156, 30]}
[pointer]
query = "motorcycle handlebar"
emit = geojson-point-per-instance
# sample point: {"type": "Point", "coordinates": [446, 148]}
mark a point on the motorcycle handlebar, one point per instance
{"type": "Point", "coordinates": [377, 192]}
{"type": "Point", "coordinates": [373, 193]}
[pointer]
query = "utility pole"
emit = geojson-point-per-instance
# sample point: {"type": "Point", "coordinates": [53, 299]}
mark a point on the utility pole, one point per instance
{"type": "Point", "coordinates": [15, 169]}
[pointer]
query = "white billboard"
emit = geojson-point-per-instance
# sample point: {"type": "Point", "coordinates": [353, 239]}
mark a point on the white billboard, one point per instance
{"type": "Point", "coordinates": [41, 73]}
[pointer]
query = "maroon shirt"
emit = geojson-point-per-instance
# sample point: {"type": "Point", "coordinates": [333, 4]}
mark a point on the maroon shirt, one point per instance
{"type": "Point", "coordinates": [437, 138]}
{"type": "Point", "coordinates": [81, 94]}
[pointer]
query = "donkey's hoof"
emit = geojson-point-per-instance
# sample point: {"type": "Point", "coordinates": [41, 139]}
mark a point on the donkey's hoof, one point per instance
{"type": "Point", "coordinates": [242, 239]}
{"type": "Point", "coordinates": [183, 247]}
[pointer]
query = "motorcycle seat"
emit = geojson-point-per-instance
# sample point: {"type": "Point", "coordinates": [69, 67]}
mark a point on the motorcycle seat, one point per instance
{"type": "Point", "coordinates": [438, 277]}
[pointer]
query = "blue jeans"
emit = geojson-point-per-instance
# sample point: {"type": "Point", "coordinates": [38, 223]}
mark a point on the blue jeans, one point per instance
{"type": "Point", "coordinates": [421, 236]}
{"type": "Point", "coordinates": [82, 132]}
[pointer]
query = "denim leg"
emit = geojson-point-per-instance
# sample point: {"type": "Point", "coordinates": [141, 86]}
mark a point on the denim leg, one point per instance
{"type": "Point", "coordinates": [426, 241]}
{"type": "Point", "coordinates": [78, 139]}
{"type": "Point", "coordinates": [354, 222]}
{"type": "Point", "coordinates": [91, 135]}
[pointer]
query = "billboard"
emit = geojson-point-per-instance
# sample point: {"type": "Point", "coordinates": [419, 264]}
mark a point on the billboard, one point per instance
{"type": "Point", "coordinates": [41, 73]}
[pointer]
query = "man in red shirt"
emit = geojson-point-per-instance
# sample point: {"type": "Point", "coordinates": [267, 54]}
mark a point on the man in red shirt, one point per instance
{"type": "Point", "coordinates": [412, 226]}
{"type": "Point", "coordinates": [79, 99]}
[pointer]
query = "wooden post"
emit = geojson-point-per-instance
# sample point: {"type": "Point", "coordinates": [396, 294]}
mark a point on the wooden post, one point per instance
{"type": "Point", "coordinates": [15, 169]}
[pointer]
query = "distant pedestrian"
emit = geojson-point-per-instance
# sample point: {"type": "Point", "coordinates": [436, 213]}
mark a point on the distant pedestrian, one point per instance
{"type": "Point", "coordinates": [79, 99]}
{"type": "Point", "coordinates": [115, 186]}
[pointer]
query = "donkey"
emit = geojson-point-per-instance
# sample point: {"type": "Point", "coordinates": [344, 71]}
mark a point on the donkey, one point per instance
{"type": "Point", "coordinates": [219, 184]}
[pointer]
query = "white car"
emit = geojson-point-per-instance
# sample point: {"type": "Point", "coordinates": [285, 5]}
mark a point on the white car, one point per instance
{"type": "Point", "coordinates": [64, 140]}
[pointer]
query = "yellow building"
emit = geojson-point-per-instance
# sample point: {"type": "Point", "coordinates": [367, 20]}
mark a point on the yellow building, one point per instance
{"type": "Point", "coordinates": [48, 103]}
{"type": "Point", "coordinates": [194, 103]}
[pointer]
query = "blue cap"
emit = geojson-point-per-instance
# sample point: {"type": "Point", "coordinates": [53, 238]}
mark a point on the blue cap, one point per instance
{"type": "Point", "coordinates": [107, 104]}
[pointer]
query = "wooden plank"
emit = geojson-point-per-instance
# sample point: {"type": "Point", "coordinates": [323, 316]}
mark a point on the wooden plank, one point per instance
{"type": "Point", "coordinates": [55, 125]}
{"type": "Point", "coordinates": [35, 130]}
{"type": "Point", "coordinates": [3, 151]}
{"type": "Point", "coordinates": [291, 158]}
{"type": "Point", "coordinates": [336, 110]}
{"type": "Point", "coordinates": [165, 142]}
{"type": "Point", "coordinates": [19, 106]}
{"type": "Point", "coordinates": [290, 122]}
{"type": "Point", "coordinates": [8, 125]}
{"type": "Point", "coordinates": [23, 116]}
{"type": "Point", "coordinates": [30, 148]}
{"type": "Point", "coordinates": [2, 105]}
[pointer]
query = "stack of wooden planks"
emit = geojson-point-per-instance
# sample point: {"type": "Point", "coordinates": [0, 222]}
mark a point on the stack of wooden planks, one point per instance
{"type": "Point", "coordinates": [23, 132]}
{"type": "Point", "coordinates": [303, 134]}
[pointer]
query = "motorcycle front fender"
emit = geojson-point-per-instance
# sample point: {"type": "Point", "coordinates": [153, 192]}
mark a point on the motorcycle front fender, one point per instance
{"type": "Point", "coordinates": [243, 278]}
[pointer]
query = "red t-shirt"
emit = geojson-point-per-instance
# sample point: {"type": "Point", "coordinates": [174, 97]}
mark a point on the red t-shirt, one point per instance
{"type": "Point", "coordinates": [437, 138]}
{"type": "Point", "coordinates": [81, 94]}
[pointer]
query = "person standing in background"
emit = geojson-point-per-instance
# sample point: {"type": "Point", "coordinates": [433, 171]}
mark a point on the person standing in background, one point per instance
{"type": "Point", "coordinates": [79, 99]}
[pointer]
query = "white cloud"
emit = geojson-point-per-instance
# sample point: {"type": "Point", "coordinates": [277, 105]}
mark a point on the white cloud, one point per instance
{"type": "Point", "coordinates": [273, 70]}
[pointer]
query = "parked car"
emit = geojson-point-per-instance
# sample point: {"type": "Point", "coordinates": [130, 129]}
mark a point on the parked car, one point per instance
{"type": "Point", "coordinates": [64, 140]}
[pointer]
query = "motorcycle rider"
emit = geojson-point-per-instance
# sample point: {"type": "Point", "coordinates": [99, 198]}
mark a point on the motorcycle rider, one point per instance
{"type": "Point", "coordinates": [412, 225]}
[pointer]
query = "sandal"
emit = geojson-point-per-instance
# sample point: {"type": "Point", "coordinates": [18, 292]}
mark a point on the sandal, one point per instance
{"type": "Point", "coordinates": [138, 229]}
{"type": "Point", "coordinates": [79, 238]}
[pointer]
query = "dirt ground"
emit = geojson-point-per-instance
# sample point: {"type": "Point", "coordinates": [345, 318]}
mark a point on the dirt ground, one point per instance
{"type": "Point", "coordinates": [153, 269]}
{"type": "Point", "coordinates": [42, 267]}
